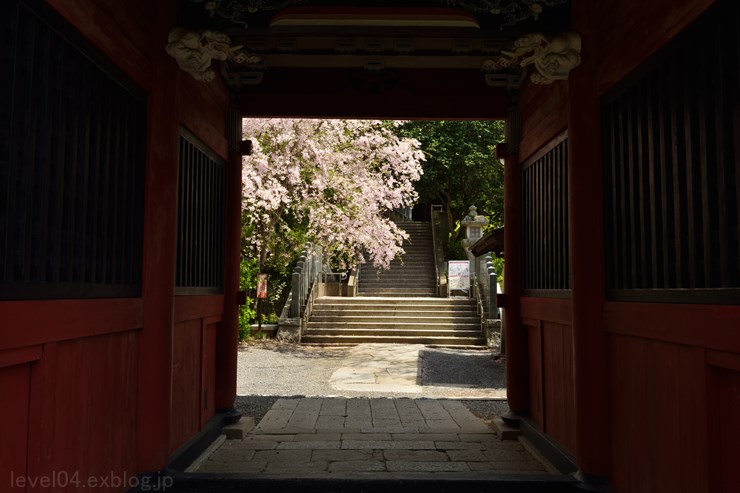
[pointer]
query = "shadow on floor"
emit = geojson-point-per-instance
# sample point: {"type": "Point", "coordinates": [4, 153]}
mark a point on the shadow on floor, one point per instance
{"type": "Point", "coordinates": [472, 370]}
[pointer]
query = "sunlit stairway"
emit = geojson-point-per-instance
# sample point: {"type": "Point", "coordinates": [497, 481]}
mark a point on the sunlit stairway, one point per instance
{"type": "Point", "coordinates": [432, 321]}
{"type": "Point", "coordinates": [410, 275]}
{"type": "Point", "coordinates": [398, 305]}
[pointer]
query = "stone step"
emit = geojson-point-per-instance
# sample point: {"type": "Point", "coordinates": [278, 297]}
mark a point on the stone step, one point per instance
{"type": "Point", "coordinates": [441, 315]}
{"type": "Point", "coordinates": [391, 311]}
{"type": "Point", "coordinates": [399, 262]}
{"type": "Point", "coordinates": [401, 300]}
{"type": "Point", "coordinates": [385, 311]}
{"type": "Point", "coordinates": [383, 292]}
{"type": "Point", "coordinates": [408, 279]}
{"type": "Point", "coordinates": [405, 271]}
{"type": "Point", "coordinates": [425, 283]}
{"type": "Point", "coordinates": [405, 263]}
{"type": "Point", "coordinates": [404, 288]}
{"type": "Point", "coordinates": [394, 319]}
{"type": "Point", "coordinates": [417, 259]}
{"type": "Point", "coordinates": [436, 340]}
{"type": "Point", "coordinates": [391, 323]}
{"type": "Point", "coordinates": [321, 331]}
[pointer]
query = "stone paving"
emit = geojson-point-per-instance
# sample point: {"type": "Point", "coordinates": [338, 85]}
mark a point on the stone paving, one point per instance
{"type": "Point", "coordinates": [395, 368]}
{"type": "Point", "coordinates": [380, 437]}
{"type": "Point", "coordinates": [379, 368]}
{"type": "Point", "coordinates": [415, 434]}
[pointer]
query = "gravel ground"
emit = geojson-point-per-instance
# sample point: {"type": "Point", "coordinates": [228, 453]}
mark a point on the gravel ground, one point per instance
{"type": "Point", "coordinates": [269, 370]}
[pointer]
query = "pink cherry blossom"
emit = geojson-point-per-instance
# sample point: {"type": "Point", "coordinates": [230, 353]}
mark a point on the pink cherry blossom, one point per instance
{"type": "Point", "coordinates": [337, 177]}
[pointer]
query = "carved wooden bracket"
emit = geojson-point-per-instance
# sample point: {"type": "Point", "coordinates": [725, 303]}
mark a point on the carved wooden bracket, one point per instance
{"type": "Point", "coordinates": [195, 50]}
{"type": "Point", "coordinates": [552, 57]}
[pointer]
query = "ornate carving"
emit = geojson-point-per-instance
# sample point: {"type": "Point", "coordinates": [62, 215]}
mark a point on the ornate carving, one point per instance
{"type": "Point", "coordinates": [552, 57]}
{"type": "Point", "coordinates": [511, 12]}
{"type": "Point", "coordinates": [194, 51]}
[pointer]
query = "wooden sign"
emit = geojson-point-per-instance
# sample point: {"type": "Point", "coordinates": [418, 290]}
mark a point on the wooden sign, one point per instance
{"type": "Point", "coordinates": [261, 286]}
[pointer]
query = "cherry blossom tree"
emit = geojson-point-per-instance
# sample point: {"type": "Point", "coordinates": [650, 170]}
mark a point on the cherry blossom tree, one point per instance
{"type": "Point", "coordinates": [329, 182]}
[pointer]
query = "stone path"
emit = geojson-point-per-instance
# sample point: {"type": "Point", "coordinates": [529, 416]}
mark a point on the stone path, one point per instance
{"type": "Point", "coordinates": [393, 438]}
{"type": "Point", "coordinates": [396, 369]}
{"type": "Point", "coordinates": [380, 368]}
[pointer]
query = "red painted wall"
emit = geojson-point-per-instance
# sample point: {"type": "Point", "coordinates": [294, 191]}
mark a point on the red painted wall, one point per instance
{"type": "Point", "coordinates": [544, 111]}
{"type": "Point", "coordinates": [14, 381]}
{"type": "Point", "coordinates": [552, 386]}
{"type": "Point", "coordinates": [82, 412]}
{"type": "Point", "coordinates": [672, 365]}
{"type": "Point", "coordinates": [71, 369]}
{"type": "Point", "coordinates": [673, 370]}
{"type": "Point", "coordinates": [197, 320]}
{"type": "Point", "coordinates": [94, 392]}
{"type": "Point", "coordinates": [630, 31]}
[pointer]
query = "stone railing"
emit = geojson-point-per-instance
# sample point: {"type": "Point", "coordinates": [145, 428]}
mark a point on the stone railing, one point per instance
{"type": "Point", "coordinates": [304, 290]}
{"type": "Point", "coordinates": [485, 287]}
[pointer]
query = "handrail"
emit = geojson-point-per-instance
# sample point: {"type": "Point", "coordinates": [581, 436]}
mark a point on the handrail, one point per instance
{"type": "Point", "coordinates": [305, 275]}
{"type": "Point", "coordinates": [352, 281]}
{"type": "Point", "coordinates": [439, 273]}
{"type": "Point", "coordinates": [304, 290]}
{"type": "Point", "coordinates": [486, 284]}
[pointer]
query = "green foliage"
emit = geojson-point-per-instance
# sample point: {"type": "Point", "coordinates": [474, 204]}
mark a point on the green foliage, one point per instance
{"type": "Point", "coordinates": [247, 281]}
{"type": "Point", "coordinates": [278, 288]}
{"type": "Point", "coordinates": [498, 266]}
{"type": "Point", "coordinates": [455, 250]}
{"type": "Point", "coordinates": [461, 168]}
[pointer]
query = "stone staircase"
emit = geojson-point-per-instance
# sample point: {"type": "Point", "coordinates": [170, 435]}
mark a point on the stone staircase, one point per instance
{"type": "Point", "coordinates": [410, 275]}
{"type": "Point", "coordinates": [398, 305]}
{"type": "Point", "coordinates": [432, 321]}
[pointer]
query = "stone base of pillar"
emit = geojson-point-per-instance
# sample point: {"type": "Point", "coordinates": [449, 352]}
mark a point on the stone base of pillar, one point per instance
{"type": "Point", "coordinates": [289, 330]}
{"type": "Point", "coordinates": [493, 335]}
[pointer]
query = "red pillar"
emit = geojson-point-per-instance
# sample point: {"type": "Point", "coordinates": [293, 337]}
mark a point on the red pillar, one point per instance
{"type": "Point", "coordinates": [593, 444]}
{"type": "Point", "coordinates": [160, 228]}
{"type": "Point", "coordinates": [226, 343]}
{"type": "Point", "coordinates": [515, 337]}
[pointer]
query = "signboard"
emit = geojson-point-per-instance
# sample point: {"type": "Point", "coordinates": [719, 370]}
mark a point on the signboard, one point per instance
{"type": "Point", "coordinates": [458, 275]}
{"type": "Point", "coordinates": [261, 286]}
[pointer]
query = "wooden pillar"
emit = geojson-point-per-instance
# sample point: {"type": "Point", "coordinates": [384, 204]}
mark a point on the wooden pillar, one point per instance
{"type": "Point", "coordinates": [227, 339]}
{"type": "Point", "coordinates": [160, 229]}
{"type": "Point", "coordinates": [515, 337]}
{"type": "Point", "coordinates": [593, 444]}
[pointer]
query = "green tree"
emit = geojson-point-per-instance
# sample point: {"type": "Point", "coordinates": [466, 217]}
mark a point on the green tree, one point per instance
{"type": "Point", "coordinates": [461, 168]}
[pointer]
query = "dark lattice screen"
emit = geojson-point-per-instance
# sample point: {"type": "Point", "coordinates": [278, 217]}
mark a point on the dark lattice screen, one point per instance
{"type": "Point", "coordinates": [200, 222]}
{"type": "Point", "coordinates": [72, 143]}
{"type": "Point", "coordinates": [672, 180]}
{"type": "Point", "coordinates": [545, 223]}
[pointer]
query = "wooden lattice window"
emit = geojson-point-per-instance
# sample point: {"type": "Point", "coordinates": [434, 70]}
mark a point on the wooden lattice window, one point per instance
{"type": "Point", "coordinates": [72, 154]}
{"type": "Point", "coordinates": [671, 173]}
{"type": "Point", "coordinates": [545, 222]}
{"type": "Point", "coordinates": [200, 221]}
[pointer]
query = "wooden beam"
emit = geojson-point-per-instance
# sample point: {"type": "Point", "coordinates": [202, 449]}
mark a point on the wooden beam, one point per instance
{"type": "Point", "coordinates": [387, 94]}
{"type": "Point", "coordinates": [515, 335]}
{"type": "Point", "coordinates": [160, 230]}
{"type": "Point", "coordinates": [593, 438]}
{"type": "Point", "coordinates": [227, 336]}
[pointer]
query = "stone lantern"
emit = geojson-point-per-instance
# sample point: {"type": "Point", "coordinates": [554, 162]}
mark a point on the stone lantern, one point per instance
{"type": "Point", "coordinates": [473, 224]}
